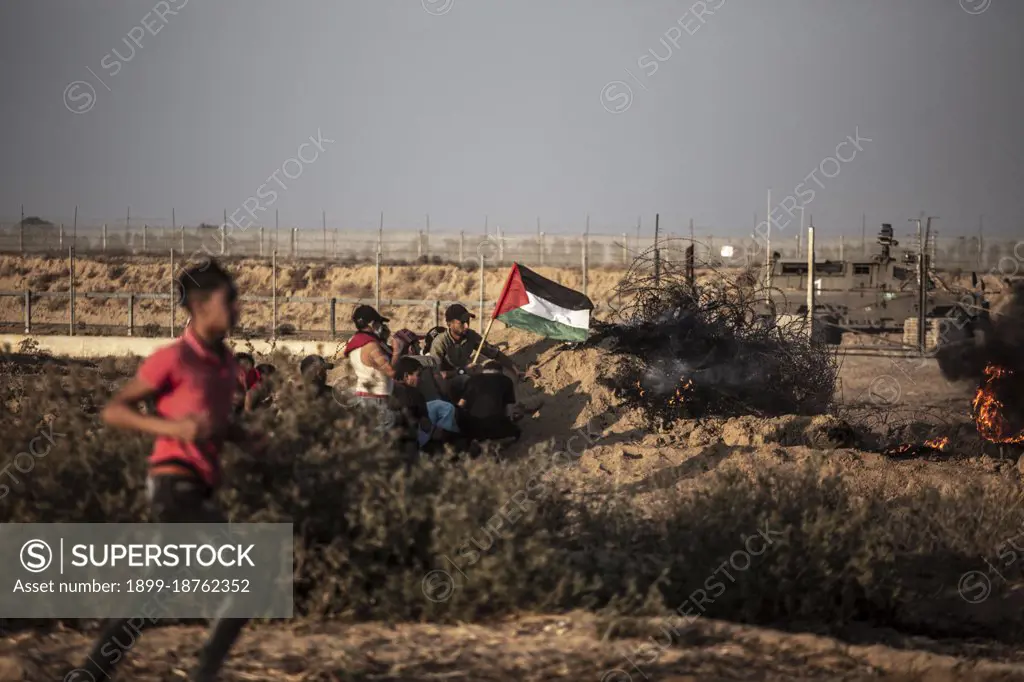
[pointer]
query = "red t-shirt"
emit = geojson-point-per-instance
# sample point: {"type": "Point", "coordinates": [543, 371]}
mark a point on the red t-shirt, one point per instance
{"type": "Point", "coordinates": [252, 378]}
{"type": "Point", "coordinates": [190, 378]}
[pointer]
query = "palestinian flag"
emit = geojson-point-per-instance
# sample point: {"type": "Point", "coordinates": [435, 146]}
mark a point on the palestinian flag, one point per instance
{"type": "Point", "coordinates": [536, 304]}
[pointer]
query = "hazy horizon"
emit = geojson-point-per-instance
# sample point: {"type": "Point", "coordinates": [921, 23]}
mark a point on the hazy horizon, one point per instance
{"type": "Point", "coordinates": [516, 111]}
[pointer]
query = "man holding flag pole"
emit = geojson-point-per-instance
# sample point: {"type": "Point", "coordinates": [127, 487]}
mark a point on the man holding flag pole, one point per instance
{"type": "Point", "coordinates": [454, 348]}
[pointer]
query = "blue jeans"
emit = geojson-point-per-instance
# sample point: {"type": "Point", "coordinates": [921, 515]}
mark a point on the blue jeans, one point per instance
{"type": "Point", "coordinates": [442, 413]}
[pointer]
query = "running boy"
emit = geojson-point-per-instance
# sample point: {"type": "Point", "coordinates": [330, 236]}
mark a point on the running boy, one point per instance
{"type": "Point", "coordinates": [193, 382]}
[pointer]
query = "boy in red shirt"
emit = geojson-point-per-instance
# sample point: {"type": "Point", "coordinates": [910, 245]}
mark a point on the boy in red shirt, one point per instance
{"type": "Point", "coordinates": [248, 379]}
{"type": "Point", "coordinates": [193, 383]}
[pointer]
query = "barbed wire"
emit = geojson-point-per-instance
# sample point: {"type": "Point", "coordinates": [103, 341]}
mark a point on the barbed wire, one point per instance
{"type": "Point", "coordinates": [710, 344]}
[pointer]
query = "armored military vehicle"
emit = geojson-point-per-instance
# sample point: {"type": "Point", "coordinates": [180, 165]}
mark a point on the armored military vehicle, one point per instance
{"type": "Point", "coordinates": [873, 295]}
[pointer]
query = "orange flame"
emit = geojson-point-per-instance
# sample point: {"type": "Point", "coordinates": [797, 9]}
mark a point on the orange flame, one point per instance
{"type": "Point", "coordinates": [680, 397]}
{"type": "Point", "coordinates": [935, 444]}
{"type": "Point", "coordinates": [988, 409]}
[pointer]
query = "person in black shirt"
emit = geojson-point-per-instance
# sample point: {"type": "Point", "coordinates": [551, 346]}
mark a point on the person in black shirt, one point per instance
{"type": "Point", "coordinates": [314, 374]}
{"type": "Point", "coordinates": [486, 404]}
{"type": "Point", "coordinates": [409, 405]}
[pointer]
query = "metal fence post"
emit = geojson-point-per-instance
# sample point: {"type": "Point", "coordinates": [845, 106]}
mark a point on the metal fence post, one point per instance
{"type": "Point", "coordinates": [71, 290]}
{"type": "Point", "coordinates": [173, 293]}
{"type": "Point", "coordinates": [182, 233]}
{"type": "Point", "coordinates": [261, 241]}
{"type": "Point", "coordinates": [810, 280]}
{"type": "Point", "coordinates": [131, 314]}
{"type": "Point", "coordinates": [376, 283]}
{"type": "Point", "coordinates": [28, 311]}
{"type": "Point", "coordinates": [482, 268]}
{"type": "Point", "coordinates": [584, 264]}
{"type": "Point", "coordinates": [922, 288]}
{"type": "Point", "coordinates": [223, 233]}
{"type": "Point", "coordinates": [657, 253]}
{"type": "Point", "coordinates": [419, 245]}
{"type": "Point", "coordinates": [145, 237]}
{"type": "Point", "coordinates": [295, 239]}
{"type": "Point", "coordinates": [542, 248]}
{"type": "Point", "coordinates": [62, 236]}
{"type": "Point", "coordinates": [334, 311]}
{"type": "Point", "coordinates": [104, 237]}
{"type": "Point", "coordinates": [273, 295]}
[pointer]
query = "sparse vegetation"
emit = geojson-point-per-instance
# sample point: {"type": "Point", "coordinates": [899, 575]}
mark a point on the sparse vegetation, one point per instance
{"type": "Point", "coordinates": [370, 524]}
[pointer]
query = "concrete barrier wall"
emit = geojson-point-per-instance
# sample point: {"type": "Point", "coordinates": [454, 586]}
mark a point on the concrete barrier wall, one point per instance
{"type": "Point", "coordinates": [103, 346]}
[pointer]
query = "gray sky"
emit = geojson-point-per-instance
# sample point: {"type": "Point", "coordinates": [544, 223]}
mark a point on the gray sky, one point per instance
{"type": "Point", "coordinates": [461, 108]}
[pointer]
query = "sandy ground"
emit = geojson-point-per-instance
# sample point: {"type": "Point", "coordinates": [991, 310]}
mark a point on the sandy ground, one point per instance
{"type": "Point", "coordinates": [527, 648]}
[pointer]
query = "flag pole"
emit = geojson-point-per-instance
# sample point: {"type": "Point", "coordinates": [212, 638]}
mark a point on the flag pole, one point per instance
{"type": "Point", "coordinates": [497, 306]}
{"type": "Point", "coordinates": [483, 340]}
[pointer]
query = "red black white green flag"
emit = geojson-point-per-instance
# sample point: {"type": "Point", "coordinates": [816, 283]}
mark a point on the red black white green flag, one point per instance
{"type": "Point", "coordinates": [536, 304]}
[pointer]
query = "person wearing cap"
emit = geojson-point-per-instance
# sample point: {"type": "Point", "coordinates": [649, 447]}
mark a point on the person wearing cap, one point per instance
{"type": "Point", "coordinates": [457, 346]}
{"type": "Point", "coordinates": [372, 357]}
{"type": "Point", "coordinates": [314, 374]}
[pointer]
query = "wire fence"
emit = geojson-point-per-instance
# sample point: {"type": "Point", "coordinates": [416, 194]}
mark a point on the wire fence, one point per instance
{"type": "Point", "coordinates": [63, 309]}
{"type": "Point", "coordinates": [395, 247]}
{"type": "Point", "coordinates": [148, 314]}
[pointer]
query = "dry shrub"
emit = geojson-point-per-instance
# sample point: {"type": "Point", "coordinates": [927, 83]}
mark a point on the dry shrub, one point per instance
{"type": "Point", "coordinates": [835, 557]}
{"type": "Point", "coordinates": [42, 281]}
{"type": "Point", "coordinates": [296, 279]}
{"type": "Point", "coordinates": [317, 273]}
{"type": "Point", "coordinates": [371, 523]}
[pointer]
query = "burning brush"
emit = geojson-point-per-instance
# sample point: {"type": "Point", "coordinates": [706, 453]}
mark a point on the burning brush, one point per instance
{"type": "Point", "coordinates": [990, 412]}
{"type": "Point", "coordinates": [996, 362]}
{"type": "Point", "coordinates": [697, 350]}
{"type": "Point", "coordinates": [911, 450]}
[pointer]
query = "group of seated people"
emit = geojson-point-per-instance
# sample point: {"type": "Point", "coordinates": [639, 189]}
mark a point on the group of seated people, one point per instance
{"type": "Point", "coordinates": [428, 386]}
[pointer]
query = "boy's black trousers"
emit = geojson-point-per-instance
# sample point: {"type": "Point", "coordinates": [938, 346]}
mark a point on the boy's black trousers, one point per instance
{"type": "Point", "coordinates": [173, 499]}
